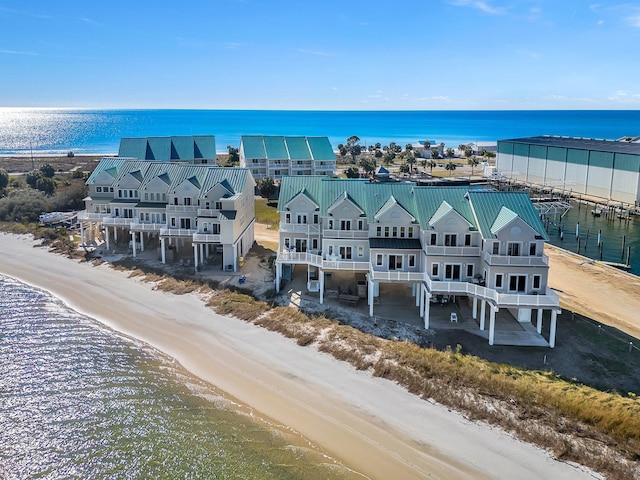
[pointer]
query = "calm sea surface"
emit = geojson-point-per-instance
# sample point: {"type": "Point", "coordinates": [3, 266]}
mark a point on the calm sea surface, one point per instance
{"type": "Point", "coordinates": [79, 401]}
{"type": "Point", "coordinates": [99, 131]}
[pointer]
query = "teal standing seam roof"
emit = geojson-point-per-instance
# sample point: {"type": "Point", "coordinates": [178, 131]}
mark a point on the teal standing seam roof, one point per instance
{"type": "Point", "coordinates": [111, 165]}
{"type": "Point", "coordinates": [253, 146]}
{"type": "Point", "coordinates": [204, 146]}
{"type": "Point", "coordinates": [488, 204]}
{"type": "Point", "coordinates": [321, 149]}
{"type": "Point", "coordinates": [159, 148]}
{"type": "Point", "coordinates": [276, 148]}
{"type": "Point", "coordinates": [133, 148]}
{"type": "Point", "coordinates": [182, 148]}
{"type": "Point", "coordinates": [298, 148]}
{"type": "Point", "coordinates": [504, 218]}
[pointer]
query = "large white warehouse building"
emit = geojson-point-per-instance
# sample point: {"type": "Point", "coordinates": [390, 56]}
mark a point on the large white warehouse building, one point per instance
{"type": "Point", "coordinates": [607, 169]}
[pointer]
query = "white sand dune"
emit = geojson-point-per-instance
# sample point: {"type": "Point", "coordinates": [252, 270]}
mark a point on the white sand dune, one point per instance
{"type": "Point", "coordinates": [369, 424]}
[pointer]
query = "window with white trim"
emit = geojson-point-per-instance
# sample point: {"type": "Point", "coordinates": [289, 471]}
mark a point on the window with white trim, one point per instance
{"type": "Point", "coordinates": [537, 280]}
{"type": "Point", "coordinates": [450, 239]}
{"type": "Point", "coordinates": [412, 260]}
{"type": "Point", "coordinates": [434, 269]}
{"type": "Point", "coordinates": [379, 259]}
{"type": "Point", "coordinates": [498, 280]}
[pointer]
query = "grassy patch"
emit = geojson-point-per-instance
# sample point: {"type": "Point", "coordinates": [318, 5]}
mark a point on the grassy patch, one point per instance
{"type": "Point", "coordinates": [267, 212]}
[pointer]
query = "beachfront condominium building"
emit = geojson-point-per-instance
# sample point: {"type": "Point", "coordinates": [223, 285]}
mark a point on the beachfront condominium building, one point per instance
{"type": "Point", "coordinates": [278, 157]}
{"type": "Point", "coordinates": [188, 148]}
{"type": "Point", "coordinates": [438, 242]}
{"type": "Point", "coordinates": [186, 212]}
{"type": "Point", "coordinates": [606, 169]}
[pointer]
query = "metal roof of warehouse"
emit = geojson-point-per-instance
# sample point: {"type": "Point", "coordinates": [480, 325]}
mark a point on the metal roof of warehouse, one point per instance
{"type": "Point", "coordinates": [614, 146]}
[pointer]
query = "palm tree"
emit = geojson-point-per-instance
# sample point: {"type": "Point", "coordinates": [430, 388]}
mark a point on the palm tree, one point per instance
{"type": "Point", "coordinates": [450, 167]}
{"type": "Point", "coordinates": [411, 160]}
{"type": "Point", "coordinates": [474, 162]}
{"type": "Point", "coordinates": [431, 163]}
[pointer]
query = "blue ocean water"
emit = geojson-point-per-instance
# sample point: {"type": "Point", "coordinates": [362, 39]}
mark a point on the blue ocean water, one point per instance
{"type": "Point", "coordinates": [79, 401]}
{"type": "Point", "coordinates": [99, 131]}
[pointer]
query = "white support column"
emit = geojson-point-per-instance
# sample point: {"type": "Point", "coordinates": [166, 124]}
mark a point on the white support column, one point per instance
{"type": "Point", "coordinates": [427, 306]}
{"type": "Point", "coordinates": [539, 321]}
{"type": "Point", "coordinates": [552, 331]}
{"type": "Point", "coordinates": [483, 307]}
{"type": "Point", "coordinates": [195, 256]}
{"type": "Point", "coordinates": [421, 288]}
{"type": "Point", "coordinates": [162, 250]}
{"type": "Point", "coordinates": [474, 312]}
{"type": "Point", "coordinates": [321, 286]}
{"type": "Point", "coordinates": [202, 245]}
{"type": "Point", "coordinates": [142, 241]}
{"type": "Point", "coordinates": [370, 295]}
{"type": "Point", "coordinates": [418, 293]}
{"type": "Point", "coordinates": [278, 276]}
{"type": "Point", "coordinates": [115, 235]}
{"type": "Point", "coordinates": [133, 242]}
{"type": "Point", "coordinates": [82, 242]}
{"type": "Point", "coordinates": [106, 234]}
{"type": "Point", "coordinates": [492, 323]}
{"type": "Point", "coordinates": [235, 258]}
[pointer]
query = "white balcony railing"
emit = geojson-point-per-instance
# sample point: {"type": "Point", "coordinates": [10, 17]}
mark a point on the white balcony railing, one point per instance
{"type": "Point", "coordinates": [523, 261]}
{"type": "Point", "coordinates": [93, 217]}
{"type": "Point", "coordinates": [327, 233]}
{"type": "Point", "coordinates": [208, 212]}
{"type": "Point", "coordinates": [345, 265]}
{"type": "Point", "coordinates": [396, 276]}
{"type": "Point", "coordinates": [299, 228]}
{"type": "Point", "coordinates": [549, 299]}
{"type": "Point", "coordinates": [177, 232]}
{"type": "Point", "coordinates": [207, 238]}
{"type": "Point", "coordinates": [452, 251]}
{"type": "Point", "coordinates": [182, 208]}
{"type": "Point", "coordinates": [116, 221]}
{"type": "Point", "coordinates": [299, 257]}
{"type": "Point", "coordinates": [147, 227]}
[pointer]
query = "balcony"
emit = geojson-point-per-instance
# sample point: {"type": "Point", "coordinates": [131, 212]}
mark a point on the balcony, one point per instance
{"type": "Point", "coordinates": [395, 276]}
{"type": "Point", "coordinates": [177, 232]}
{"type": "Point", "coordinates": [324, 168]}
{"type": "Point", "coordinates": [92, 217]}
{"type": "Point", "coordinates": [327, 233]}
{"type": "Point", "coordinates": [181, 208]}
{"type": "Point", "coordinates": [208, 212]}
{"type": "Point", "coordinates": [287, 256]}
{"type": "Point", "coordinates": [503, 300]}
{"type": "Point", "coordinates": [116, 221]}
{"type": "Point", "coordinates": [452, 251]}
{"type": "Point", "coordinates": [334, 262]}
{"type": "Point", "coordinates": [307, 228]}
{"type": "Point", "coordinates": [525, 261]}
{"type": "Point", "coordinates": [147, 227]}
{"type": "Point", "coordinates": [207, 238]}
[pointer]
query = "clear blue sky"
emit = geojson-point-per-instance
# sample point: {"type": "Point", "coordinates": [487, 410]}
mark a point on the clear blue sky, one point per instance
{"type": "Point", "coordinates": [329, 54]}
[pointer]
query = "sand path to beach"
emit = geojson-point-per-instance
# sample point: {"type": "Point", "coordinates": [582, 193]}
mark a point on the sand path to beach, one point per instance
{"type": "Point", "coordinates": [368, 424]}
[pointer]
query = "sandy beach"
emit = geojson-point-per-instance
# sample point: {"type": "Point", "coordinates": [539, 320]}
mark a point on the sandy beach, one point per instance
{"type": "Point", "coordinates": [368, 424]}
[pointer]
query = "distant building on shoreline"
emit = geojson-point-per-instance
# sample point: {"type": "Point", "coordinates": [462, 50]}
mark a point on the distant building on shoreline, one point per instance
{"type": "Point", "coordinates": [278, 156]}
{"type": "Point", "coordinates": [194, 149]}
{"type": "Point", "coordinates": [607, 169]}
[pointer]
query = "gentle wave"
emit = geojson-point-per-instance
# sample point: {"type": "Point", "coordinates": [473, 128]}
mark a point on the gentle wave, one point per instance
{"type": "Point", "coordinates": [78, 400]}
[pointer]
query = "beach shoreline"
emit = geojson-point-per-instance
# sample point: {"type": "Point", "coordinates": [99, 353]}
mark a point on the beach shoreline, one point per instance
{"type": "Point", "coordinates": [368, 424]}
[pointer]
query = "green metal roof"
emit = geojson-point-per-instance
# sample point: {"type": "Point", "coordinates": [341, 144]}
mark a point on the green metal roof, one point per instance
{"type": "Point", "coordinates": [504, 218]}
{"type": "Point", "coordinates": [423, 202]}
{"type": "Point", "coordinates": [203, 177]}
{"type": "Point", "coordinates": [488, 205]}
{"type": "Point", "coordinates": [276, 148]}
{"type": "Point", "coordinates": [253, 146]}
{"type": "Point", "coordinates": [111, 165]}
{"type": "Point", "coordinates": [287, 148]}
{"type": "Point", "coordinates": [443, 210]}
{"type": "Point", "coordinates": [298, 148]}
{"type": "Point", "coordinates": [321, 148]}
{"type": "Point", "coordinates": [166, 149]}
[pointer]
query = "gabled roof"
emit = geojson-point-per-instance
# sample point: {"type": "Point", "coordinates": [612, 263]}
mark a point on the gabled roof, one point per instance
{"type": "Point", "coordinates": [389, 204]}
{"type": "Point", "coordinates": [204, 177]}
{"type": "Point", "coordinates": [488, 204]}
{"type": "Point", "coordinates": [287, 148]}
{"type": "Point", "coordinates": [478, 207]}
{"type": "Point", "coordinates": [166, 149]}
{"type": "Point", "coordinates": [110, 165]}
{"type": "Point", "coordinates": [305, 193]}
{"type": "Point", "coordinates": [443, 210]}
{"type": "Point", "coordinates": [504, 218]}
{"type": "Point", "coordinates": [340, 199]}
